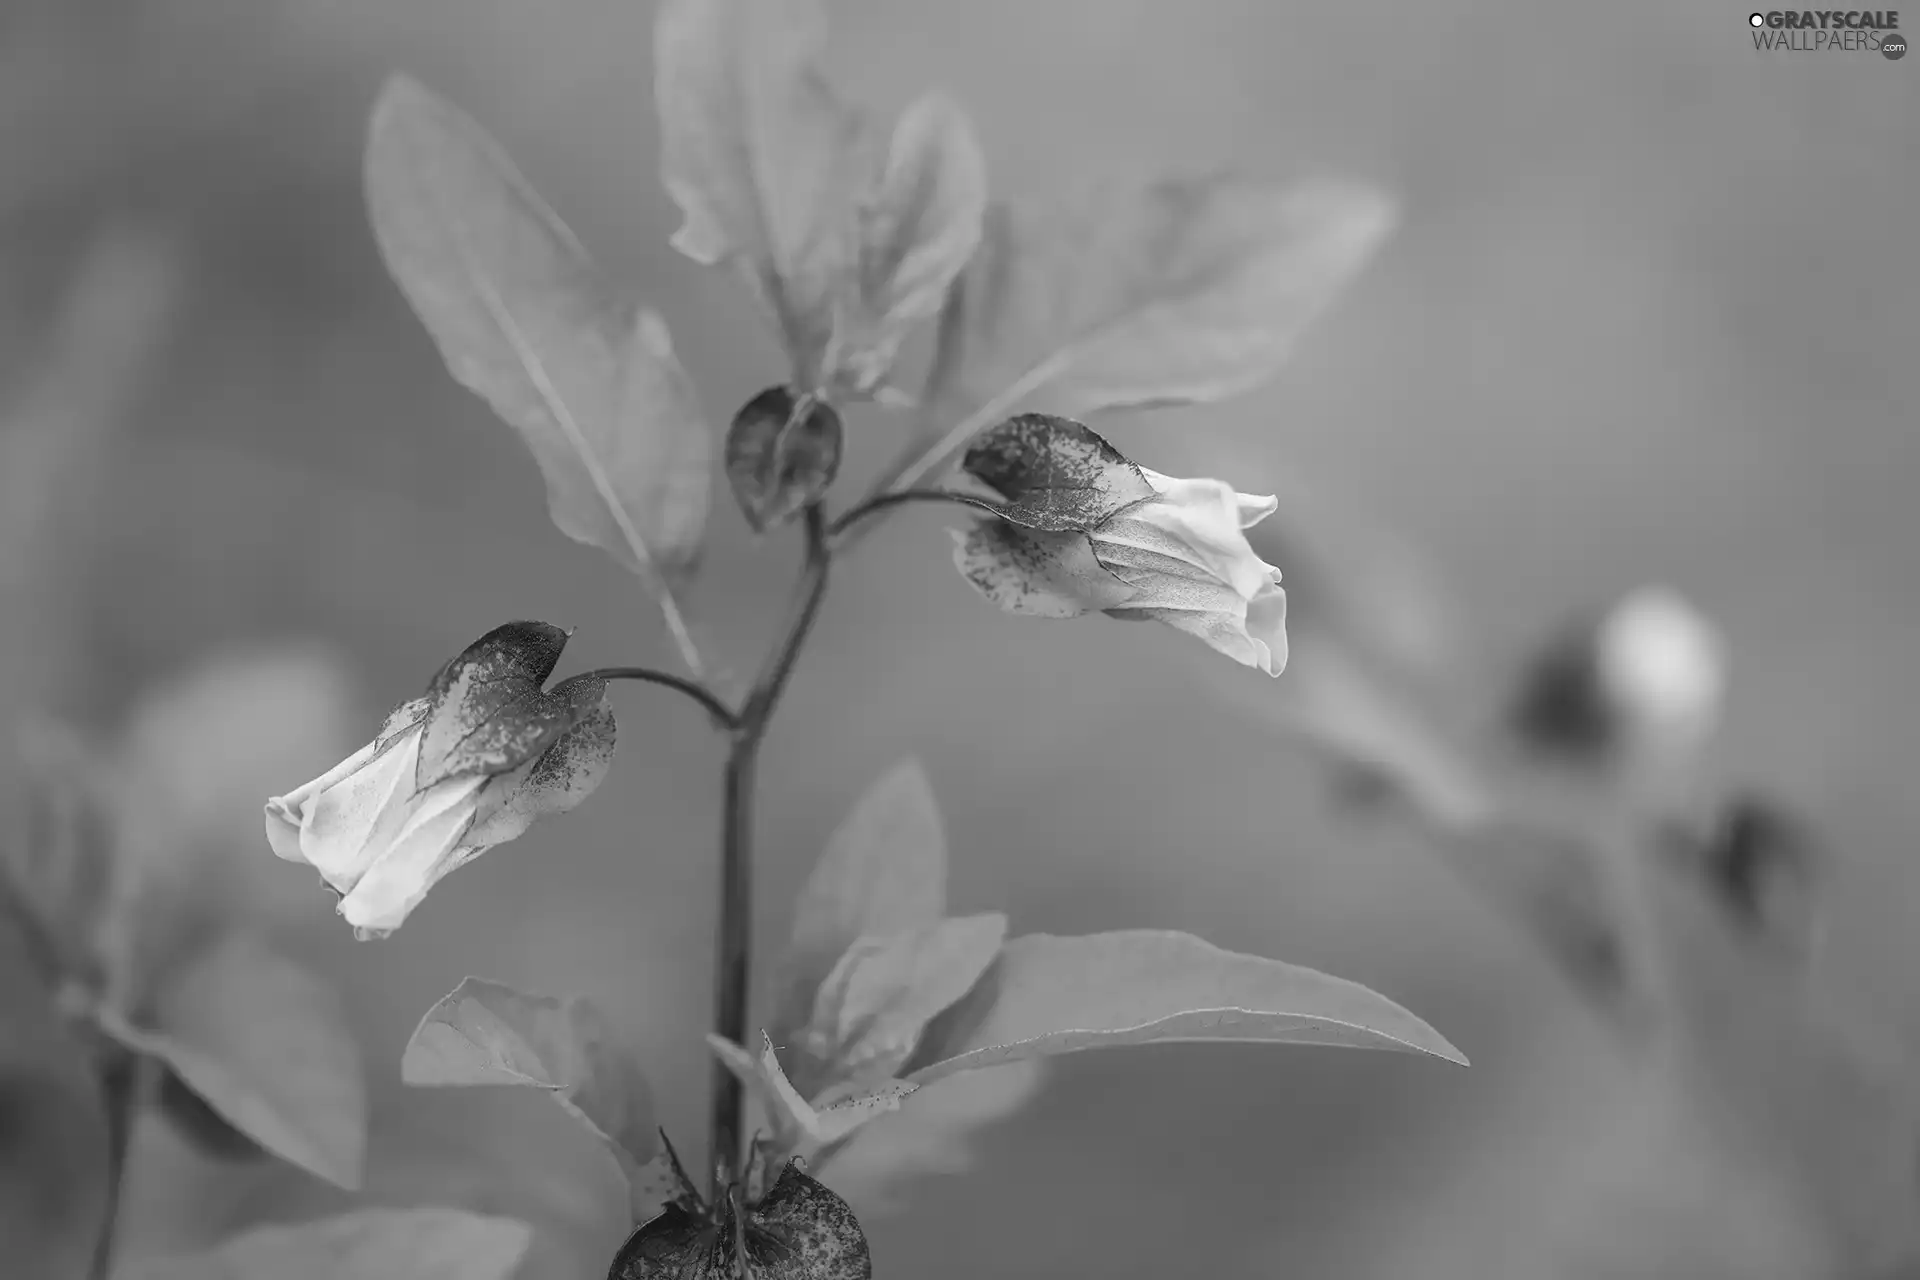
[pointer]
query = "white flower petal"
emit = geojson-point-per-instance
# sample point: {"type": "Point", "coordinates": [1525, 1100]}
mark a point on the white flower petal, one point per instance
{"type": "Point", "coordinates": [340, 830]}
{"type": "Point", "coordinates": [287, 814]}
{"type": "Point", "coordinates": [1203, 518]}
{"type": "Point", "coordinates": [1267, 625]}
{"type": "Point", "coordinates": [1255, 507]}
{"type": "Point", "coordinates": [427, 847]}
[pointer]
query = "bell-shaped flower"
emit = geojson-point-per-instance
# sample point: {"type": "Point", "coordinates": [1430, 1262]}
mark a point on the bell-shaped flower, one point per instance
{"type": "Point", "coordinates": [1124, 541]}
{"type": "Point", "coordinates": [450, 775]}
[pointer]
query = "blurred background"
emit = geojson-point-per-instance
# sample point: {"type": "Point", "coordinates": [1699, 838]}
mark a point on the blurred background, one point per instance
{"type": "Point", "coordinates": [1649, 316]}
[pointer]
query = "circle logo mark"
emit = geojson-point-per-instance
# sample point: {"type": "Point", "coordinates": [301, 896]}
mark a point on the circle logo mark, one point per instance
{"type": "Point", "coordinates": [1757, 19]}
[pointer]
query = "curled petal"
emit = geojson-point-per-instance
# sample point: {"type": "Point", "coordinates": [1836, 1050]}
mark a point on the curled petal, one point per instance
{"type": "Point", "coordinates": [429, 844]}
{"type": "Point", "coordinates": [341, 824]}
{"type": "Point", "coordinates": [1251, 508]}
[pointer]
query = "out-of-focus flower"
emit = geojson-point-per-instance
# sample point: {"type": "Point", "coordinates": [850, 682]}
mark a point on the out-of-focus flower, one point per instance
{"type": "Point", "coordinates": [450, 775]}
{"type": "Point", "coordinates": [1647, 678]}
{"type": "Point", "coordinates": [1178, 556]}
{"type": "Point", "coordinates": [1663, 662]}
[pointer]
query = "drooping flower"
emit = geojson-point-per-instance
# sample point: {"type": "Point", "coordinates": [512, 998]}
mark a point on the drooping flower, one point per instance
{"type": "Point", "coordinates": [1139, 545]}
{"type": "Point", "coordinates": [450, 775]}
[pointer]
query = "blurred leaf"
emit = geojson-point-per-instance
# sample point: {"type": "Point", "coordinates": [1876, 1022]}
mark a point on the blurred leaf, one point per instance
{"type": "Point", "coordinates": [196, 1120]}
{"type": "Point", "coordinates": [1054, 474]}
{"type": "Point", "coordinates": [1779, 1062]}
{"type": "Point", "coordinates": [917, 230]}
{"type": "Point", "coordinates": [884, 871]}
{"type": "Point", "coordinates": [871, 1009]}
{"type": "Point", "coordinates": [1361, 724]}
{"type": "Point", "coordinates": [391, 1244]}
{"type": "Point", "coordinates": [1051, 995]}
{"type": "Point", "coordinates": [267, 1045]}
{"type": "Point", "coordinates": [1546, 876]}
{"type": "Point", "coordinates": [487, 711]}
{"type": "Point", "coordinates": [62, 862]}
{"type": "Point", "coordinates": [782, 453]}
{"type": "Point", "coordinates": [513, 301]}
{"type": "Point", "coordinates": [53, 1131]}
{"type": "Point", "coordinates": [1138, 293]}
{"type": "Point", "coordinates": [797, 1123]}
{"type": "Point", "coordinates": [847, 244]}
{"type": "Point", "coordinates": [58, 431]}
{"type": "Point", "coordinates": [762, 157]}
{"type": "Point", "coordinates": [199, 750]}
{"type": "Point", "coordinates": [487, 1033]}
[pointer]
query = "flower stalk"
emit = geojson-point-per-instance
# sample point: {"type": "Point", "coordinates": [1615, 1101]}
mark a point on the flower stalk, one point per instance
{"type": "Point", "coordinates": [733, 947]}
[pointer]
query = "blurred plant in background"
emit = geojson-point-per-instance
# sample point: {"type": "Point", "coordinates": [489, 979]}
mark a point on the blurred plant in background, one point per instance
{"type": "Point", "coordinates": [1764, 1127]}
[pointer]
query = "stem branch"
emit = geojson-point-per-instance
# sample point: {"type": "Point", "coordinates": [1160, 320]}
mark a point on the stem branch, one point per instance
{"type": "Point", "coordinates": [733, 949]}
{"type": "Point", "coordinates": [722, 715]}
{"type": "Point", "coordinates": [841, 530]}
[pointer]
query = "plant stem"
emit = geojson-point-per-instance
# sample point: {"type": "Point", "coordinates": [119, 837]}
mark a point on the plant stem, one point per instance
{"type": "Point", "coordinates": [842, 528]}
{"type": "Point", "coordinates": [120, 1082]}
{"type": "Point", "coordinates": [733, 949]}
{"type": "Point", "coordinates": [722, 714]}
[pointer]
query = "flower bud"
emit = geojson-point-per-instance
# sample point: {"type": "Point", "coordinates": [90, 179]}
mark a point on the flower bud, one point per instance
{"type": "Point", "coordinates": [782, 453]}
{"type": "Point", "coordinates": [448, 776]}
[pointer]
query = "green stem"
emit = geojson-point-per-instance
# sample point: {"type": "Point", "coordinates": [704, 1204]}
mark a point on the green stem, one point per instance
{"type": "Point", "coordinates": [722, 715]}
{"type": "Point", "coordinates": [842, 530]}
{"type": "Point", "coordinates": [733, 948]}
{"type": "Point", "coordinates": [120, 1089]}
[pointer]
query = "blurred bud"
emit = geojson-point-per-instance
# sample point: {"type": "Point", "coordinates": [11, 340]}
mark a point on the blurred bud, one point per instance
{"type": "Point", "coordinates": [1650, 676]}
{"type": "Point", "coordinates": [782, 453]}
{"type": "Point", "coordinates": [449, 776]}
{"type": "Point", "coordinates": [1760, 865]}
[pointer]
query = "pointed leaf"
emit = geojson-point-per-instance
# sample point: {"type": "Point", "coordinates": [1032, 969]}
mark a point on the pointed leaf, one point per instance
{"type": "Point", "coordinates": [1168, 291]}
{"type": "Point", "coordinates": [884, 870]}
{"type": "Point", "coordinates": [392, 1244]}
{"type": "Point", "coordinates": [488, 713]}
{"type": "Point", "coordinates": [761, 156]}
{"type": "Point", "coordinates": [267, 1045]}
{"type": "Point", "coordinates": [487, 1033]}
{"type": "Point", "coordinates": [872, 1007]}
{"type": "Point", "coordinates": [1050, 995]}
{"type": "Point", "coordinates": [1055, 474]}
{"type": "Point", "coordinates": [917, 230]}
{"type": "Point", "coordinates": [782, 453]}
{"type": "Point", "coordinates": [515, 304]}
